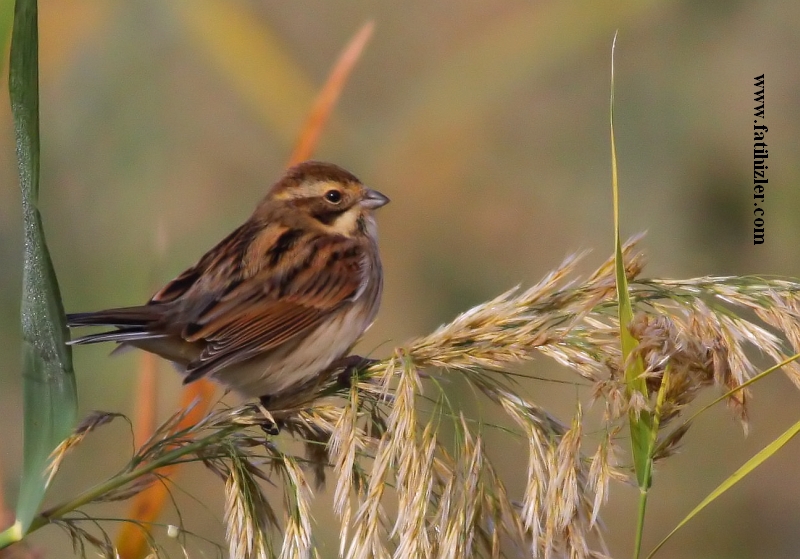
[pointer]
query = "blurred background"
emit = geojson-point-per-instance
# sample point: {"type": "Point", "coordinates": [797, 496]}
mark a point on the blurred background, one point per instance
{"type": "Point", "coordinates": [486, 123]}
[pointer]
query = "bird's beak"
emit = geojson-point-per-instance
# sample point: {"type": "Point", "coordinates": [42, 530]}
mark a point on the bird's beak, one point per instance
{"type": "Point", "coordinates": [373, 199]}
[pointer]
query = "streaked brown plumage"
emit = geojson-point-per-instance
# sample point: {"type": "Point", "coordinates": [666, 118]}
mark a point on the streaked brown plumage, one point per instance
{"type": "Point", "coordinates": [275, 302]}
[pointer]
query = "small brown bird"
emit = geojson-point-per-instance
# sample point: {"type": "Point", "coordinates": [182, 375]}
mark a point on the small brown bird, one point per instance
{"type": "Point", "coordinates": [277, 301]}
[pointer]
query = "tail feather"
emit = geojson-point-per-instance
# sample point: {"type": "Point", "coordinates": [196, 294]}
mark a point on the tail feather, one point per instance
{"type": "Point", "coordinates": [132, 323]}
{"type": "Point", "coordinates": [120, 336]}
{"type": "Point", "coordinates": [121, 317]}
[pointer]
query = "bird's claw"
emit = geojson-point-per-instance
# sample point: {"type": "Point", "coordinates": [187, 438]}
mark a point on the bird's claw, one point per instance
{"type": "Point", "coordinates": [351, 365]}
{"type": "Point", "coordinates": [270, 426]}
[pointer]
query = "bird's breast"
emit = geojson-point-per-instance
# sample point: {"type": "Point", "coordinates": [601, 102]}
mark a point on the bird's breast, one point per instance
{"type": "Point", "coordinates": [296, 363]}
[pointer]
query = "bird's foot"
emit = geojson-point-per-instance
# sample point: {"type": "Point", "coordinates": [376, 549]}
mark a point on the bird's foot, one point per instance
{"type": "Point", "coordinates": [270, 426]}
{"type": "Point", "coordinates": [351, 365]}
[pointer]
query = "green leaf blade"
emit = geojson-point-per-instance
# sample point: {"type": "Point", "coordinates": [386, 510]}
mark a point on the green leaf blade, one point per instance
{"type": "Point", "coordinates": [641, 424]}
{"type": "Point", "coordinates": [737, 476]}
{"type": "Point", "coordinates": [49, 389]}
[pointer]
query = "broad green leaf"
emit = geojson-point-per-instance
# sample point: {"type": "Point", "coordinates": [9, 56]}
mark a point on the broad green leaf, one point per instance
{"type": "Point", "coordinates": [49, 392]}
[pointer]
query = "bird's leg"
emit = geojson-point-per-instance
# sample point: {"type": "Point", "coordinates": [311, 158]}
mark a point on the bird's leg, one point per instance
{"type": "Point", "coordinates": [270, 426]}
{"type": "Point", "coordinates": [350, 365]}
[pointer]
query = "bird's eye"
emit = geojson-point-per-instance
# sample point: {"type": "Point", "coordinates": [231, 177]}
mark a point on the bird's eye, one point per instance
{"type": "Point", "coordinates": [333, 196]}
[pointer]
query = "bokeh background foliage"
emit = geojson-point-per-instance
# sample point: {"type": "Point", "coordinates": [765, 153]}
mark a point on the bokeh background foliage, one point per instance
{"type": "Point", "coordinates": [163, 123]}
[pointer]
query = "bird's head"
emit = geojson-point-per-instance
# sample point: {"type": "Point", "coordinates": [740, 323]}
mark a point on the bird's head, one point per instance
{"type": "Point", "coordinates": [333, 198]}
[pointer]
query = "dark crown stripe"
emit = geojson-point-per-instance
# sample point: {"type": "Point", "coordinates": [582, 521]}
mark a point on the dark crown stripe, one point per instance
{"type": "Point", "coordinates": [317, 170]}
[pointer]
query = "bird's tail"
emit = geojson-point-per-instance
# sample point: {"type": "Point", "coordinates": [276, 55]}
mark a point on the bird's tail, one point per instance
{"type": "Point", "coordinates": [132, 323]}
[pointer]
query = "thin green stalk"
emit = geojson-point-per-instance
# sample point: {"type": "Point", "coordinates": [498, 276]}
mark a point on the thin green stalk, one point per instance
{"type": "Point", "coordinates": [93, 493]}
{"type": "Point", "coordinates": [741, 387]}
{"type": "Point", "coordinates": [644, 491]}
{"type": "Point", "coordinates": [734, 390]}
{"type": "Point", "coordinates": [735, 478]}
{"type": "Point", "coordinates": [640, 512]}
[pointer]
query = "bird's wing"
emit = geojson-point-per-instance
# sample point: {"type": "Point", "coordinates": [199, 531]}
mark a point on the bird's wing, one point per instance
{"type": "Point", "coordinates": [156, 318]}
{"type": "Point", "coordinates": [220, 260]}
{"type": "Point", "coordinates": [260, 301]}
